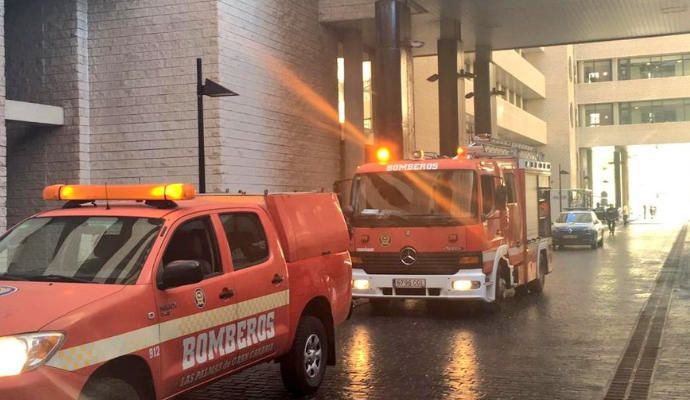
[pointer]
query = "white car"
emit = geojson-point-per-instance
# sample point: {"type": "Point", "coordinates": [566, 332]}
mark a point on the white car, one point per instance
{"type": "Point", "coordinates": [578, 228]}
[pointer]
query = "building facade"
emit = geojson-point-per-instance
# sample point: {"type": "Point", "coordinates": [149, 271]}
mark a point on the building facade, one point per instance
{"type": "Point", "coordinates": [105, 91]}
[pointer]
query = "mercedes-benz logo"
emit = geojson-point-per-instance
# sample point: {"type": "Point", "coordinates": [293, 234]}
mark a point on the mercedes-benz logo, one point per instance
{"type": "Point", "coordinates": [408, 256]}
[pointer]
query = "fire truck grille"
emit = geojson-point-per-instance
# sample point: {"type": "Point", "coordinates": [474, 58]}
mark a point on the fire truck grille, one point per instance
{"type": "Point", "coordinates": [426, 264]}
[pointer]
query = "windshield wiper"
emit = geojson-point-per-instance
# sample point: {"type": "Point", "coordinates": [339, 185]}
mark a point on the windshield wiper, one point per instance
{"type": "Point", "coordinates": [55, 278]}
{"type": "Point", "coordinates": [12, 277]}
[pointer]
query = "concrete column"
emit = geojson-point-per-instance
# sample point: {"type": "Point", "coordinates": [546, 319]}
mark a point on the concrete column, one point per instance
{"type": "Point", "coordinates": [353, 146]}
{"type": "Point", "coordinates": [625, 177]}
{"type": "Point", "coordinates": [484, 115]}
{"type": "Point", "coordinates": [389, 119]}
{"type": "Point", "coordinates": [451, 110]}
{"type": "Point", "coordinates": [617, 176]}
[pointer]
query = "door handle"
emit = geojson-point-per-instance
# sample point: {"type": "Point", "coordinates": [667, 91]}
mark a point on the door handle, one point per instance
{"type": "Point", "coordinates": [226, 293]}
{"type": "Point", "coordinates": [277, 279]}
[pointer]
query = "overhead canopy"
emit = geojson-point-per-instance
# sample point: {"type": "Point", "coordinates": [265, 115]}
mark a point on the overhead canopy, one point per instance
{"type": "Point", "coordinates": [507, 24]}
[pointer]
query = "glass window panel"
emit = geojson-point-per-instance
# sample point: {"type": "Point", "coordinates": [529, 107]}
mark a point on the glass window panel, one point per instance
{"type": "Point", "coordinates": [624, 69]}
{"type": "Point", "coordinates": [598, 114]}
{"type": "Point", "coordinates": [639, 67]}
{"type": "Point", "coordinates": [624, 113]}
{"type": "Point", "coordinates": [671, 66]}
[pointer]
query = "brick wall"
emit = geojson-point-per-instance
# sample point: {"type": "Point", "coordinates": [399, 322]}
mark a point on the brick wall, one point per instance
{"type": "Point", "coordinates": [46, 49]}
{"type": "Point", "coordinates": [143, 94]}
{"type": "Point", "coordinates": [282, 132]}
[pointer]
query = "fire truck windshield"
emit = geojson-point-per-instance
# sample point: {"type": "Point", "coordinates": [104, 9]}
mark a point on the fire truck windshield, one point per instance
{"type": "Point", "coordinates": [411, 198]}
{"type": "Point", "coordinates": [78, 249]}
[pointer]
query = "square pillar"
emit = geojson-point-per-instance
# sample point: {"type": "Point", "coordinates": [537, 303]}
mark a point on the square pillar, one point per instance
{"type": "Point", "coordinates": [353, 130]}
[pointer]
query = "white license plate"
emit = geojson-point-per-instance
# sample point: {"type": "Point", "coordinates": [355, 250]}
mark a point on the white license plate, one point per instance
{"type": "Point", "coordinates": [570, 236]}
{"type": "Point", "coordinates": [409, 283]}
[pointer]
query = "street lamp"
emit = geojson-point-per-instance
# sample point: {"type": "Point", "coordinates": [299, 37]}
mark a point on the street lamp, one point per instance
{"type": "Point", "coordinates": [560, 187]}
{"type": "Point", "coordinates": [211, 89]}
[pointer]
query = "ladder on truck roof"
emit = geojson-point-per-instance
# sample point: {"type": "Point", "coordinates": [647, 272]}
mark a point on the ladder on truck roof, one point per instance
{"type": "Point", "coordinates": [488, 147]}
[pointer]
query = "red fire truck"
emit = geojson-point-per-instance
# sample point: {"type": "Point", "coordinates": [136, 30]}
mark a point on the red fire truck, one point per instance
{"type": "Point", "coordinates": [148, 291]}
{"type": "Point", "coordinates": [472, 227]}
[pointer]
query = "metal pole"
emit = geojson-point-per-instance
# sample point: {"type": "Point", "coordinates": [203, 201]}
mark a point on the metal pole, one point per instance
{"type": "Point", "coordinates": [200, 121]}
{"type": "Point", "coordinates": [560, 189]}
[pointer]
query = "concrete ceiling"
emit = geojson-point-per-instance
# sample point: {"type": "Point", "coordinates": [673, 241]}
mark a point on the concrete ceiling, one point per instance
{"type": "Point", "coordinates": [507, 24]}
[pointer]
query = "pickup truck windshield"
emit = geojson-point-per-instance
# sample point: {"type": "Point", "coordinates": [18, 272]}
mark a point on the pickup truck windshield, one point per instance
{"type": "Point", "coordinates": [405, 198]}
{"type": "Point", "coordinates": [108, 250]}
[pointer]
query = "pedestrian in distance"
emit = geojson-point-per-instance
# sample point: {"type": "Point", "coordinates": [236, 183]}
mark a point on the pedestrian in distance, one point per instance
{"type": "Point", "coordinates": [611, 218]}
{"type": "Point", "coordinates": [644, 207]}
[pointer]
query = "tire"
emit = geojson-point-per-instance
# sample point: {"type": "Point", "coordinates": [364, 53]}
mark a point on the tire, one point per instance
{"type": "Point", "coordinates": [304, 367]}
{"type": "Point", "coordinates": [537, 285]}
{"type": "Point", "coordinates": [595, 243]}
{"type": "Point", "coordinates": [110, 389]}
{"type": "Point", "coordinates": [499, 294]}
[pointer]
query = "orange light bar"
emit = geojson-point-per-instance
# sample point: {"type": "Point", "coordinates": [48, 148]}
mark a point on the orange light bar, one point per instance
{"type": "Point", "coordinates": [383, 155]}
{"type": "Point", "coordinates": [171, 191]}
{"type": "Point", "coordinates": [461, 152]}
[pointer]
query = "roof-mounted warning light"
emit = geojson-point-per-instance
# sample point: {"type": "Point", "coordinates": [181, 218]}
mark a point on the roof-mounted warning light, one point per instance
{"type": "Point", "coordinates": [150, 192]}
{"type": "Point", "coordinates": [383, 155]}
{"type": "Point", "coordinates": [461, 152]}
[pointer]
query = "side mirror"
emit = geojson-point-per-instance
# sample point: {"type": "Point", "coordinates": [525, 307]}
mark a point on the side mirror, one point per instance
{"type": "Point", "coordinates": [348, 211]}
{"type": "Point", "coordinates": [179, 273]}
{"type": "Point", "coordinates": [501, 197]}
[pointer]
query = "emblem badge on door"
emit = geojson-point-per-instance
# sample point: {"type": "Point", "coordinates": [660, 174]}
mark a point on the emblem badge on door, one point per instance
{"type": "Point", "coordinates": [199, 298]}
{"type": "Point", "coordinates": [385, 240]}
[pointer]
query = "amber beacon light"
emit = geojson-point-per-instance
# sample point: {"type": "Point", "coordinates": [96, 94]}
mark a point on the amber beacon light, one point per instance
{"type": "Point", "coordinates": [383, 155]}
{"type": "Point", "coordinates": [171, 191]}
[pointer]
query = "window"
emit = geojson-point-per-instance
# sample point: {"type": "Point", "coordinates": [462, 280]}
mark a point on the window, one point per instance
{"type": "Point", "coordinates": [649, 112]}
{"type": "Point", "coordinates": [598, 114]}
{"type": "Point", "coordinates": [108, 250]}
{"type": "Point", "coordinates": [596, 71]}
{"type": "Point", "coordinates": [487, 193]}
{"type": "Point", "coordinates": [654, 66]}
{"type": "Point", "coordinates": [510, 188]}
{"type": "Point", "coordinates": [194, 240]}
{"type": "Point", "coordinates": [247, 239]}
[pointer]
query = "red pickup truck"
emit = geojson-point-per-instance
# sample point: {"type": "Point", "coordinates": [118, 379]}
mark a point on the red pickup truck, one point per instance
{"type": "Point", "coordinates": [148, 291]}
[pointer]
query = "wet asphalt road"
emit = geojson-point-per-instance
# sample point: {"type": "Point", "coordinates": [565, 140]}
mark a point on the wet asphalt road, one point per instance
{"type": "Point", "coordinates": [562, 344]}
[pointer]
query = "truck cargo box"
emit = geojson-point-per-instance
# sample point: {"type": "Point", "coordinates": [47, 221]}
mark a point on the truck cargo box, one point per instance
{"type": "Point", "coordinates": [308, 224]}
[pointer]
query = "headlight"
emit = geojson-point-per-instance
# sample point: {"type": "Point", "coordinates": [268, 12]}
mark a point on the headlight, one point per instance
{"type": "Point", "coordinates": [360, 284]}
{"type": "Point", "coordinates": [23, 353]}
{"type": "Point", "coordinates": [466, 285]}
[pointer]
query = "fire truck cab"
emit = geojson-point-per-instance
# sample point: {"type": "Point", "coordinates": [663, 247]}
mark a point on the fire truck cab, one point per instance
{"type": "Point", "coordinates": [471, 227]}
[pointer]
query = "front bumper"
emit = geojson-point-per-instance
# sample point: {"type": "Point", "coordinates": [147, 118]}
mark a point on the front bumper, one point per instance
{"type": "Point", "coordinates": [42, 383]}
{"type": "Point", "coordinates": [437, 286]}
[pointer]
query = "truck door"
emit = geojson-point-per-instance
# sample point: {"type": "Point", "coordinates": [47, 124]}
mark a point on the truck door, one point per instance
{"type": "Point", "coordinates": [192, 316]}
{"type": "Point", "coordinates": [261, 278]}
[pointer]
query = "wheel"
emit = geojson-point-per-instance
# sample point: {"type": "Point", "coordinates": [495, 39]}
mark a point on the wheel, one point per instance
{"type": "Point", "coordinates": [304, 367]}
{"type": "Point", "coordinates": [110, 389]}
{"type": "Point", "coordinates": [537, 285]}
{"type": "Point", "coordinates": [595, 243]}
{"type": "Point", "coordinates": [499, 293]}
{"type": "Point", "coordinates": [601, 240]}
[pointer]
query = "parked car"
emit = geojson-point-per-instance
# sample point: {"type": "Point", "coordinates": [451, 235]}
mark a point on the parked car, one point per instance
{"type": "Point", "coordinates": [581, 227]}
